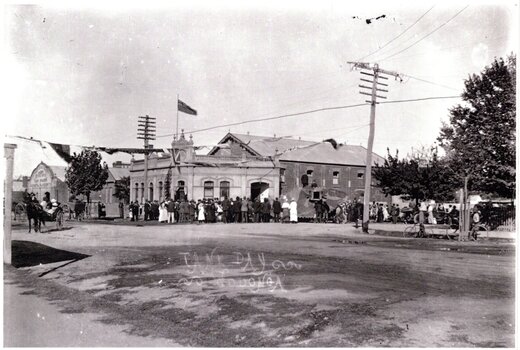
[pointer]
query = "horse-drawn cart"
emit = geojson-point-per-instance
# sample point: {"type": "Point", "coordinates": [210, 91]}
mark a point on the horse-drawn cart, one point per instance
{"type": "Point", "coordinates": [38, 215]}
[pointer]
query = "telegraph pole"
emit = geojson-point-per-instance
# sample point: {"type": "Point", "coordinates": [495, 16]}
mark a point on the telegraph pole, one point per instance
{"type": "Point", "coordinates": [146, 132]}
{"type": "Point", "coordinates": [376, 73]}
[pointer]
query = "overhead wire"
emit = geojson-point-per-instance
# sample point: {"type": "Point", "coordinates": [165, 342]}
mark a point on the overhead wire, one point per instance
{"type": "Point", "coordinates": [269, 118]}
{"type": "Point", "coordinates": [427, 35]}
{"type": "Point", "coordinates": [310, 112]}
{"type": "Point", "coordinates": [398, 36]}
{"type": "Point", "coordinates": [429, 82]}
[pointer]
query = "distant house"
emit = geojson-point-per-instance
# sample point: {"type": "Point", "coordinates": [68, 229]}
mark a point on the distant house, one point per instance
{"type": "Point", "coordinates": [51, 178]}
{"type": "Point", "coordinates": [19, 186]}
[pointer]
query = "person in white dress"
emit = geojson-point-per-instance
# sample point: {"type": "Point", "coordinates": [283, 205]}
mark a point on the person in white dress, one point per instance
{"type": "Point", "coordinates": [200, 209]}
{"type": "Point", "coordinates": [285, 210]}
{"type": "Point", "coordinates": [293, 211]}
{"type": "Point", "coordinates": [163, 212]}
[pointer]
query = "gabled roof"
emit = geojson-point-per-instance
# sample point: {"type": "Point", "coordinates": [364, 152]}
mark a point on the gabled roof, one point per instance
{"type": "Point", "coordinates": [325, 153]}
{"type": "Point", "coordinates": [59, 171]}
{"type": "Point", "coordinates": [118, 173]}
{"type": "Point", "coordinates": [263, 146]}
{"type": "Point", "coordinates": [302, 150]}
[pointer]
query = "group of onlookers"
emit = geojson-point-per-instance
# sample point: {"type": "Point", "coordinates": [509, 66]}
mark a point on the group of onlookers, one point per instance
{"type": "Point", "coordinates": [209, 210]}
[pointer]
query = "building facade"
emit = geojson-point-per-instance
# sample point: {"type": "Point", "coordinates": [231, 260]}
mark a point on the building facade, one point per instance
{"type": "Point", "coordinates": [310, 171]}
{"type": "Point", "coordinates": [191, 176]}
{"type": "Point", "coordinates": [50, 178]}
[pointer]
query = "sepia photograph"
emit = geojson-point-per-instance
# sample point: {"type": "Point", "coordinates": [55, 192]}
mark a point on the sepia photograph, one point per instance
{"type": "Point", "coordinates": [238, 174]}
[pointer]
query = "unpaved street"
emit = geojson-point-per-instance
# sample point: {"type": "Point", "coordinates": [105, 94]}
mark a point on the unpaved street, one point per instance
{"type": "Point", "coordinates": [257, 285]}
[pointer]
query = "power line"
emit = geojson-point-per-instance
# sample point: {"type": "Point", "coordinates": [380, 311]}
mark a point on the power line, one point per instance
{"type": "Point", "coordinates": [419, 99]}
{"type": "Point", "coordinates": [271, 118]}
{"type": "Point", "coordinates": [430, 82]}
{"type": "Point", "coordinates": [427, 35]}
{"type": "Point", "coordinates": [397, 37]}
{"type": "Point", "coordinates": [309, 112]}
{"type": "Point", "coordinates": [449, 47]}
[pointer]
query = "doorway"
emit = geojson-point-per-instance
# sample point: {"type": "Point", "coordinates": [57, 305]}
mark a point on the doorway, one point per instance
{"type": "Point", "coordinates": [259, 190]}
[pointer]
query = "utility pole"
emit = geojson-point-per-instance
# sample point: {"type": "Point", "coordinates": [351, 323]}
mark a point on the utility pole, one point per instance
{"type": "Point", "coordinates": [376, 73]}
{"type": "Point", "coordinates": [146, 132]}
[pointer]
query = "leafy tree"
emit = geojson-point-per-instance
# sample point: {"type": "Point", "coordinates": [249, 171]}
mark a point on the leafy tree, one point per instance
{"type": "Point", "coordinates": [416, 178]}
{"type": "Point", "coordinates": [480, 138]}
{"type": "Point", "coordinates": [85, 173]}
{"type": "Point", "coordinates": [168, 183]}
{"type": "Point", "coordinates": [122, 189]}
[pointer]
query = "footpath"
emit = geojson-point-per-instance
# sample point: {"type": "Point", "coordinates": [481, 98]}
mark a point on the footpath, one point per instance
{"type": "Point", "coordinates": [396, 230]}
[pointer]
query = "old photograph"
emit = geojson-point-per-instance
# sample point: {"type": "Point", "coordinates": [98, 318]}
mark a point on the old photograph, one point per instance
{"type": "Point", "coordinates": [334, 174]}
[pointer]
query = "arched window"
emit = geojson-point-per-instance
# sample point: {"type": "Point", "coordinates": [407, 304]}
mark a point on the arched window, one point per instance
{"type": "Point", "coordinates": [150, 191]}
{"type": "Point", "coordinates": [136, 192]}
{"type": "Point", "coordinates": [208, 189]}
{"type": "Point", "coordinates": [224, 189]}
{"type": "Point", "coordinates": [141, 197]}
{"type": "Point", "coordinates": [181, 191]}
{"type": "Point", "coordinates": [161, 191]}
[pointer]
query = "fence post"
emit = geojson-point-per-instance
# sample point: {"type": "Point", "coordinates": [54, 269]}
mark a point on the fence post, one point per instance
{"type": "Point", "coordinates": [9, 157]}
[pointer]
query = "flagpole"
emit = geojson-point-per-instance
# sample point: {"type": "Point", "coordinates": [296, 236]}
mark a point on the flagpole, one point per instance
{"type": "Point", "coordinates": [177, 128]}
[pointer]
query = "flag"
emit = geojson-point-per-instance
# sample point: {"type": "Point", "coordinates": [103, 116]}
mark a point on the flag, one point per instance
{"type": "Point", "coordinates": [183, 107]}
{"type": "Point", "coordinates": [62, 150]}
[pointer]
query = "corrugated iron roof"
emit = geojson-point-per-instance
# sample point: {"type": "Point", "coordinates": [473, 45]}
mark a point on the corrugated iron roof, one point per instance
{"type": "Point", "coordinates": [266, 146]}
{"type": "Point", "coordinates": [324, 153]}
{"type": "Point", "coordinates": [118, 173]}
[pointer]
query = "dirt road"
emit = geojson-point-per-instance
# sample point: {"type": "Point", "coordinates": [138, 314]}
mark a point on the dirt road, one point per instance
{"type": "Point", "coordinates": [264, 285]}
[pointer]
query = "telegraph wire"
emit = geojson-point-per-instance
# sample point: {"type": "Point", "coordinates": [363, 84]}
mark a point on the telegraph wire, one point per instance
{"type": "Point", "coordinates": [420, 99]}
{"type": "Point", "coordinates": [309, 112]}
{"type": "Point", "coordinates": [397, 37]}
{"type": "Point", "coordinates": [270, 118]}
{"type": "Point", "coordinates": [430, 82]}
{"type": "Point", "coordinates": [427, 35]}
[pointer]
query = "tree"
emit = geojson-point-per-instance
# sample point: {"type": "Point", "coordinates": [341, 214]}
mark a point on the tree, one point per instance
{"type": "Point", "coordinates": [85, 173]}
{"type": "Point", "coordinates": [416, 178]}
{"type": "Point", "coordinates": [168, 183]}
{"type": "Point", "coordinates": [480, 138]}
{"type": "Point", "coordinates": [122, 189]}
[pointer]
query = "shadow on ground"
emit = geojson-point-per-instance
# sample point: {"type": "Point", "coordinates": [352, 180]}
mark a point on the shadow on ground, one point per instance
{"type": "Point", "coordinates": [26, 253]}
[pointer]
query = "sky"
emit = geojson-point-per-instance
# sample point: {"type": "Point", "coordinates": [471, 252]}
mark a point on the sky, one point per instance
{"type": "Point", "coordinates": [82, 75]}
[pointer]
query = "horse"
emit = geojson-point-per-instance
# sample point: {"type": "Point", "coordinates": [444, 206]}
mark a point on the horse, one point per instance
{"type": "Point", "coordinates": [341, 216]}
{"type": "Point", "coordinates": [34, 213]}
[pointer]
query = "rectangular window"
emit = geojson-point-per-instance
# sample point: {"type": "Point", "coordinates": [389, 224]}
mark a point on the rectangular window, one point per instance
{"type": "Point", "coordinates": [282, 175]}
{"type": "Point", "coordinates": [360, 174]}
{"type": "Point", "coordinates": [224, 189]}
{"type": "Point", "coordinates": [335, 177]}
{"type": "Point", "coordinates": [208, 189]}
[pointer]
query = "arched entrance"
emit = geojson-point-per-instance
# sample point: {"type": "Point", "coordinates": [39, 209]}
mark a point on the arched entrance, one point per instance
{"type": "Point", "coordinates": [259, 190]}
{"type": "Point", "coordinates": [180, 193]}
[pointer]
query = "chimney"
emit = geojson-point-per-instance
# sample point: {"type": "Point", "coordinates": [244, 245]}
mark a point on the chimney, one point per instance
{"type": "Point", "coordinates": [248, 132]}
{"type": "Point", "coordinates": [25, 181]}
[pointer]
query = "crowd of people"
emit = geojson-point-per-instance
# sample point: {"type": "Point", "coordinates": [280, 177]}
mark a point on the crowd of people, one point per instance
{"type": "Point", "coordinates": [228, 210]}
